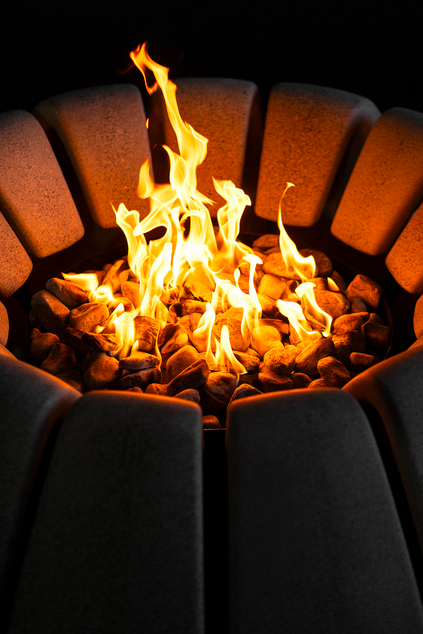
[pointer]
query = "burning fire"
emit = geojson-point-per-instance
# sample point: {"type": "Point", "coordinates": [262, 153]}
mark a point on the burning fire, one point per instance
{"type": "Point", "coordinates": [191, 259]}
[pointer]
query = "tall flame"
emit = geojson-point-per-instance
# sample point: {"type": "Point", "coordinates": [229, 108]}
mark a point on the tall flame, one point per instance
{"type": "Point", "coordinates": [190, 259]}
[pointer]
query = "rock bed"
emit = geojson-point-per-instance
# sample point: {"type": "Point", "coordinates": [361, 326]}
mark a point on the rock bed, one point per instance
{"type": "Point", "coordinates": [63, 340]}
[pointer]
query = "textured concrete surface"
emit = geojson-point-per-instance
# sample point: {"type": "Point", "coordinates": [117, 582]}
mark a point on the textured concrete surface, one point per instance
{"type": "Point", "coordinates": [4, 324]}
{"type": "Point", "coordinates": [386, 185]}
{"type": "Point", "coordinates": [315, 543]}
{"type": "Point", "coordinates": [418, 317]}
{"type": "Point", "coordinates": [394, 389]}
{"type": "Point", "coordinates": [405, 259]}
{"type": "Point", "coordinates": [15, 264]}
{"type": "Point", "coordinates": [117, 540]}
{"type": "Point", "coordinates": [308, 129]}
{"type": "Point", "coordinates": [417, 343]}
{"type": "Point", "coordinates": [31, 402]}
{"type": "Point", "coordinates": [225, 111]}
{"type": "Point", "coordinates": [103, 131]}
{"type": "Point", "coordinates": [34, 195]}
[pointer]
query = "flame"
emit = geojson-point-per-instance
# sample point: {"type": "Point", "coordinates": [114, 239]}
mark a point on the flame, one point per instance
{"type": "Point", "coordinates": [306, 290]}
{"type": "Point", "coordinates": [190, 259]}
{"type": "Point", "coordinates": [301, 330]}
{"type": "Point", "coordinates": [304, 268]}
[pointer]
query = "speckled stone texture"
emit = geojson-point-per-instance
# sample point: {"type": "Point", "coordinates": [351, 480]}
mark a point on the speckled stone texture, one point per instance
{"type": "Point", "coordinates": [417, 343]}
{"type": "Point", "coordinates": [15, 264]}
{"type": "Point", "coordinates": [117, 540]}
{"type": "Point", "coordinates": [225, 111]}
{"type": "Point", "coordinates": [308, 129]}
{"type": "Point", "coordinates": [103, 131]}
{"type": "Point", "coordinates": [315, 543]}
{"type": "Point", "coordinates": [34, 195]}
{"type": "Point", "coordinates": [394, 389]}
{"type": "Point", "coordinates": [31, 402]}
{"type": "Point", "coordinates": [386, 185]}
{"type": "Point", "coordinates": [418, 317]}
{"type": "Point", "coordinates": [405, 259]}
{"type": "Point", "coordinates": [4, 324]}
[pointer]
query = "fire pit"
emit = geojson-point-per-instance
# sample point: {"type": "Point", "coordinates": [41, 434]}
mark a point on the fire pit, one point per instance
{"type": "Point", "coordinates": [356, 187]}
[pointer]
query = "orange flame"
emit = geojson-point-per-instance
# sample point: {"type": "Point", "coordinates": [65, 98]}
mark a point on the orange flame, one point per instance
{"type": "Point", "coordinates": [304, 268]}
{"type": "Point", "coordinates": [190, 260]}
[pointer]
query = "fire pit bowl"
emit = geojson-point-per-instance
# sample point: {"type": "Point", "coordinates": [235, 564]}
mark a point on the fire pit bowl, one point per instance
{"type": "Point", "coordinates": [114, 517]}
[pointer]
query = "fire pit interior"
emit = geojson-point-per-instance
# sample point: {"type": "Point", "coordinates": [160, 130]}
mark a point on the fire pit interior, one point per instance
{"type": "Point", "coordinates": [355, 206]}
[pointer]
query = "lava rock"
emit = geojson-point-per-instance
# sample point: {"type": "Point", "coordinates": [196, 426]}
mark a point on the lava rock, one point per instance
{"type": "Point", "coordinates": [217, 391]}
{"type": "Point", "coordinates": [332, 302]}
{"type": "Point", "coordinates": [342, 351]}
{"type": "Point", "coordinates": [190, 306]}
{"type": "Point", "coordinates": [266, 241]}
{"type": "Point", "coordinates": [42, 344]}
{"type": "Point", "coordinates": [251, 378]}
{"type": "Point", "coordinates": [275, 265]}
{"type": "Point", "coordinates": [317, 384]}
{"type": "Point", "coordinates": [177, 340]}
{"type": "Point", "coordinates": [264, 338]}
{"type": "Point", "coordinates": [306, 362]}
{"type": "Point", "coordinates": [333, 372]}
{"type": "Point", "coordinates": [60, 359]}
{"type": "Point", "coordinates": [272, 286]}
{"type": "Point", "coordinates": [181, 360]}
{"type": "Point", "coordinates": [268, 305]}
{"type": "Point", "coordinates": [88, 316]}
{"type": "Point", "coordinates": [69, 293]}
{"type": "Point", "coordinates": [374, 318]}
{"type": "Point", "coordinates": [250, 362]}
{"type": "Point", "coordinates": [112, 277]}
{"type": "Point", "coordinates": [189, 395]}
{"type": "Point", "coordinates": [72, 337]}
{"type": "Point", "coordinates": [102, 371]}
{"type": "Point", "coordinates": [320, 283]}
{"type": "Point", "coordinates": [211, 422]}
{"type": "Point", "coordinates": [191, 377]}
{"type": "Point", "coordinates": [354, 339]}
{"type": "Point", "coordinates": [160, 389]}
{"type": "Point", "coordinates": [52, 314]}
{"type": "Point", "coordinates": [357, 305]}
{"type": "Point", "coordinates": [299, 380]}
{"type": "Point", "coordinates": [102, 343]}
{"type": "Point", "coordinates": [235, 335]}
{"type": "Point", "coordinates": [146, 332]}
{"type": "Point", "coordinates": [280, 360]}
{"type": "Point", "coordinates": [141, 379]}
{"type": "Point", "coordinates": [279, 324]}
{"type": "Point", "coordinates": [274, 382]}
{"type": "Point", "coordinates": [244, 391]}
{"type": "Point", "coordinates": [346, 323]}
{"type": "Point", "coordinates": [377, 337]}
{"type": "Point", "coordinates": [365, 288]}
{"type": "Point", "coordinates": [360, 362]}
{"type": "Point", "coordinates": [131, 290]}
{"type": "Point", "coordinates": [139, 361]}
{"type": "Point", "coordinates": [324, 266]}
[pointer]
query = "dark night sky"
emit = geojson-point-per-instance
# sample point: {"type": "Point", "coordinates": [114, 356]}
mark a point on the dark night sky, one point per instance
{"type": "Point", "coordinates": [374, 52]}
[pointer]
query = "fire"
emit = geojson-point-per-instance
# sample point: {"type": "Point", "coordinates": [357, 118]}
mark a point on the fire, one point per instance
{"type": "Point", "coordinates": [191, 259]}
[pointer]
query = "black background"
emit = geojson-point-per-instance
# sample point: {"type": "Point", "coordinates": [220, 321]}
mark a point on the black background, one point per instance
{"type": "Point", "coordinates": [370, 49]}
